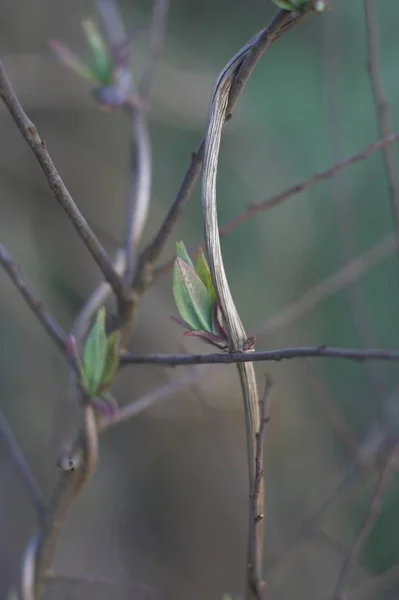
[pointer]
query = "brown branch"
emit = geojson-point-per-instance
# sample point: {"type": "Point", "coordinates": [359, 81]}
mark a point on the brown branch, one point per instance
{"type": "Point", "coordinates": [256, 208]}
{"type": "Point", "coordinates": [381, 108]}
{"type": "Point", "coordinates": [34, 493]}
{"type": "Point", "coordinates": [32, 299]}
{"type": "Point", "coordinates": [220, 109]}
{"type": "Point", "coordinates": [57, 186]}
{"type": "Point", "coordinates": [257, 518]}
{"type": "Point", "coordinates": [349, 273]}
{"type": "Point", "coordinates": [171, 360]}
{"type": "Point", "coordinates": [372, 514]}
{"type": "Point", "coordinates": [152, 251]}
{"type": "Point", "coordinates": [39, 555]}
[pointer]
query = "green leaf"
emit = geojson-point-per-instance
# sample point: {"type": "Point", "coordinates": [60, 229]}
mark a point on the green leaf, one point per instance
{"type": "Point", "coordinates": [183, 254]}
{"type": "Point", "coordinates": [191, 297]}
{"type": "Point", "coordinates": [111, 365]}
{"type": "Point", "coordinates": [95, 355]}
{"type": "Point", "coordinates": [100, 58]}
{"type": "Point", "coordinates": [203, 272]}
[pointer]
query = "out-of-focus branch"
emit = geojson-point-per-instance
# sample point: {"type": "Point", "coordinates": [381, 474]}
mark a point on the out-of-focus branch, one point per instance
{"type": "Point", "coordinates": [256, 208]}
{"type": "Point", "coordinates": [381, 108]}
{"type": "Point", "coordinates": [353, 270]}
{"type": "Point", "coordinates": [241, 66]}
{"type": "Point", "coordinates": [23, 469]}
{"type": "Point", "coordinates": [57, 186]}
{"type": "Point", "coordinates": [372, 514]}
{"type": "Point", "coordinates": [40, 551]}
{"type": "Point", "coordinates": [32, 299]}
{"type": "Point", "coordinates": [171, 360]}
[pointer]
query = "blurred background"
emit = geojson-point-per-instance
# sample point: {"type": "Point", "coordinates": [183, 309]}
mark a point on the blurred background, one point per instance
{"type": "Point", "coordinates": [167, 506]}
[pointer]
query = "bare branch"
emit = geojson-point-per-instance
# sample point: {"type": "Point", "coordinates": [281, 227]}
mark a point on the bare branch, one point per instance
{"type": "Point", "coordinates": [153, 250]}
{"type": "Point", "coordinates": [32, 299]}
{"type": "Point", "coordinates": [245, 59]}
{"type": "Point", "coordinates": [154, 397]}
{"type": "Point", "coordinates": [82, 463]}
{"type": "Point", "coordinates": [23, 469]}
{"type": "Point", "coordinates": [57, 186]}
{"type": "Point", "coordinates": [159, 15]}
{"type": "Point", "coordinates": [372, 514]}
{"type": "Point", "coordinates": [259, 207]}
{"type": "Point", "coordinates": [264, 416]}
{"type": "Point", "coordinates": [381, 108]}
{"type": "Point", "coordinates": [171, 360]}
{"type": "Point", "coordinates": [73, 579]}
{"type": "Point", "coordinates": [350, 272]}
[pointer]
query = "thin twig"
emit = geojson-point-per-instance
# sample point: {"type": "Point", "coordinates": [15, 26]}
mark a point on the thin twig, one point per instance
{"type": "Point", "coordinates": [171, 360]}
{"type": "Point", "coordinates": [372, 514]}
{"type": "Point", "coordinates": [73, 579]}
{"type": "Point", "coordinates": [154, 397]}
{"type": "Point", "coordinates": [57, 186]}
{"type": "Point", "coordinates": [381, 108]}
{"type": "Point", "coordinates": [70, 484]}
{"type": "Point", "coordinates": [156, 41]}
{"type": "Point", "coordinates": [256, 208]}
{"type": "Point", "coordinates": [220, 109]}
{"type": "Point", "coordinates": [264, 416]}
{"type": "Point", "coordinates": [23, 469]}
{"type": "Point", "coordinates": [32, 299]}
{"type": "Point", "coordinates": [349, 273]}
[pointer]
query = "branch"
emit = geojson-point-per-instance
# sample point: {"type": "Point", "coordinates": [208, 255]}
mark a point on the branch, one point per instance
{"type": "Point", "coordinates": [32, 299]}
{"type": "Point", "coordinates": [57, 186]}
{"type": "Point", "coordinates": [381, 108]}
{"type": "Point", "coordinates": [153, 398]}
{"type": "Point", "coordinates": [76, 474]}
{"type": "Point", "coordinates": [338, 281]}
{"type": "Point", "coordinates": [243, 62]}
{"type": "Point", "coordinates": [23, 469]}
{"type": "Point", "coordinates": [256, 208]}
{"type": "Point", "coordinates": [250, 56]}
{"type": "Point", "coordinates": [172, 360]}
{"type": "Point", "coordinates": [256, 517]}
{"type": "Point", "coordinates": [372, 514]}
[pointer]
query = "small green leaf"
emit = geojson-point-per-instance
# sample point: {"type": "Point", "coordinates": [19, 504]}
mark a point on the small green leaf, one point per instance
{"type": "Point", "coordinates": [95, 355]}
{"type": "Point", "coordinates": [203, 272]}
{"type": "Point", "coordinates": [191, 297]}
{"type": "Point", "coordinates": [294, 5]}
{"type": "Point", "coordinates": [111, 362]}
{"type": "Point", "coordinates": [183, 254]}
{"type": "Point", "coordinates": [100, 58]}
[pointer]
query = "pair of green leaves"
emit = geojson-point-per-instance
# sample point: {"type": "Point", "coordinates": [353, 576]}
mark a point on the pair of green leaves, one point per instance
{"type": "Point", "coordinates": [301, 6]}
{"type": "Point", "coordinates": [195, 298]}
{"type": "Point", "coordinates": [98, 365]}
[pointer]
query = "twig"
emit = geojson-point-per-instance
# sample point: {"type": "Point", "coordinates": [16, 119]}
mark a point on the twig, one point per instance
{"type": "Point", "coordinates": [153, 398]}
{"type": "Point", "coordinates": [257, 518]}
{"type": "Point", "coordinates": [259, 207]}
{"type": "Point", "coordinates": [159, 15]}
{"type": "Point", "coordinates": [85, 454]}
{"type": "Point", "coordinates": [372, 514]}
{"type": "Point", "coordinates": [381, 108]}
{"type": "Point", "coordinates": [23, 469]}
{"type": "Point", "coordinates": [72, 579]}
{"type": "Point", "coordinates": [32, 299]}
{"type": "Point", "coordinates": [171, 360]}
{"type": "Point", "coordinates": [153, 250]}
{"type": "Point", "coordinates": [349, 273]}
{"type": "Point", "coordinates": [57, 186]}
{"type": "Point", "coordinates": [245, 59]}
{"type": "Point", "coordinates": [344, 213]}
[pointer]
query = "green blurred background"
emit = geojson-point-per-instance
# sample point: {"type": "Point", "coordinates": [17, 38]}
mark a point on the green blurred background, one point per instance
{"type": "Point", "coordinates": [167, 507]}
